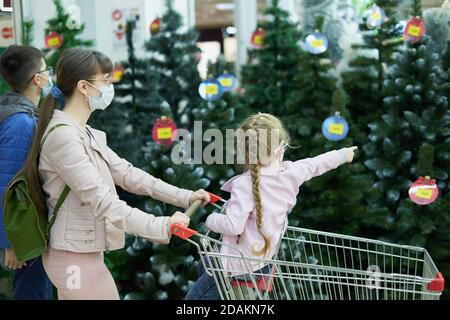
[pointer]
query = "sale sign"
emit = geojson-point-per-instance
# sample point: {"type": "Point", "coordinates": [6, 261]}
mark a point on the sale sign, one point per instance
{"type": "Point", "coordinates": [6, 31]}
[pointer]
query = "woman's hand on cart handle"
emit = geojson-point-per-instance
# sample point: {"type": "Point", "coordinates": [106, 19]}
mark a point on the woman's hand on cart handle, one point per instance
{"type": "Point", "coordinates": [178, 218]}
{"type": "Point", "coordinates": [200, 195]}
{"type": "Point", "coordinates": [181, 231]}
{"type": "Point", "coordinates": [211, 198]}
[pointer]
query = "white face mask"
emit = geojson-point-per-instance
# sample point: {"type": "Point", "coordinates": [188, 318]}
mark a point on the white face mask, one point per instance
{"type": "Point", "coordinates": [105, 99]}
{"type": "Point", "coordinates": [47, 88]}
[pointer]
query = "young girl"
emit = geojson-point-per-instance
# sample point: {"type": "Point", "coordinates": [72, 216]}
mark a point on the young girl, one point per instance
{"type": "Point", "coordinates": [256, 213]}
{"type": "Point", "coordinates": [92, 218]}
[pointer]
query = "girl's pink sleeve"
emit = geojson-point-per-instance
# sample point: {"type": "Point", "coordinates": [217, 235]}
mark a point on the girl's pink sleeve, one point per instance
{"type": "Point", "coordinates": [309, 168]}
{"type": "Point", "coordinates": [237, 211]}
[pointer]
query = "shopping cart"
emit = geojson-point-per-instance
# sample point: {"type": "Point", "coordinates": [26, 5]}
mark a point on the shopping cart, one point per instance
{"type": "Point", "coordinates": [315, 265]}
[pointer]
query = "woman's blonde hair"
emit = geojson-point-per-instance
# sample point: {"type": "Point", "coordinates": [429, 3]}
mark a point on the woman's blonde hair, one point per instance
{"type": "Point", "coordinates": [263, 135]}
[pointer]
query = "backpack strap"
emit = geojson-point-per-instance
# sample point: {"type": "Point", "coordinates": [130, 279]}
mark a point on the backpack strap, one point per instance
{"type": "Point", "coordinates": [50, 131]}
{"type": "Point", "coordinates": [59, 203]}
{"type": "Point", "coordinates": [66, 190]}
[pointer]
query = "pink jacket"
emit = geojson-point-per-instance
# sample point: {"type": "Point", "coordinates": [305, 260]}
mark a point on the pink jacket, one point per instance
{"type": "Point", "coordinates": [93, 218]}
{"type": "Point", "coordinates": [279, 195]}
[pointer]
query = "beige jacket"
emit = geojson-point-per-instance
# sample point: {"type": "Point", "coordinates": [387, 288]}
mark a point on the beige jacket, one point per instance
{"type": "Point", "coordinates": [93, 218]}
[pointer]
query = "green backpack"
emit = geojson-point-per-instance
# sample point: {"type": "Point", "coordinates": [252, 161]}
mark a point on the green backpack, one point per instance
{"type": "Point", "coordinates": [27, 229]}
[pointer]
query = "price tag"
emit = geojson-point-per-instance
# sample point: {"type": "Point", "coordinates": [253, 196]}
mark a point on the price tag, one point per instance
{"type": "Point", "coordinates": [258, 40]}
{"type": "Point", "coordinates": [212, 89]}
{"type": "Point", "coordinates": [53, 42]}
{"type": "Point", "coordinates": [424, 193]}
{"type": "Point", "coordinates": [164, 133]}
{"type": "Point", "coordinates": [226, 82]}
{"type": "Point", "coordinates": [376, 16]}
{"type": "Point", "coordinates": [336, 129]}
{"type": "Point", "coordinates": [317, 43]}
{"type": "Point", "coordinates": [414, 31]}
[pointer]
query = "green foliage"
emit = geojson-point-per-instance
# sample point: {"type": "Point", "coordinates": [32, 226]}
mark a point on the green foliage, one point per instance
{"type": "Point", "coordinates": [27, 32]}
{"type": "Point", "coordinates": [173, 61]}
{"type": "Point", "coordinates": [364, 82]}
{"type": "Point", "coordinates": [268, 78]}
{"type": "Point", "coordinates": [410, 140]}
{"type": "Point", "coordinates": [226, 113]}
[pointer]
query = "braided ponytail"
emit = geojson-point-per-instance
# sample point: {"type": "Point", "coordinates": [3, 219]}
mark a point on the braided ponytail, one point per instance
{"type": "Point", "coordinates": [255, 171]}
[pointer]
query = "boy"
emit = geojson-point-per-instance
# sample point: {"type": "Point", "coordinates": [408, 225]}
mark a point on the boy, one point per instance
{"type": "Point", "coordinates": [26, 72]}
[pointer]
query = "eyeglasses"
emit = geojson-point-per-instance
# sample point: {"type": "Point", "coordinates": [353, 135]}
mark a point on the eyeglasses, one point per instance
{"type": "Point", "coordinates": [49, 70]}
{"type": "Point", "coordinates": [108, 79]}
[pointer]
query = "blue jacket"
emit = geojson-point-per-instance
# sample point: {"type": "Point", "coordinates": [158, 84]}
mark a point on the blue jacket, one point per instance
{"type": "Point", "coordinates": [18, 118]}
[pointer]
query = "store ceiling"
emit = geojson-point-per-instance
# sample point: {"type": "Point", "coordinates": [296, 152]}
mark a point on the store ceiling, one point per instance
{"type": "Point", "coordinates": [217, 13]}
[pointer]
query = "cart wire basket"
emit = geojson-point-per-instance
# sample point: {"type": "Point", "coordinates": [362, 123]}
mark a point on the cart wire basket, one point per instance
{"type": "Point", "coordinates": [316, 265]}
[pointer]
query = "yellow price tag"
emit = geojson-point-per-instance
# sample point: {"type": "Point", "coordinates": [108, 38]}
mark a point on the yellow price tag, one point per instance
{"type": "Point", "coordinates": [259, 40]}
{"type": "Point", "coordinates": [164, 133]}
{"type": "Point", "coordinates": [317, 43]}
{"type": "Point", "coordinates": [212, 89]}
{"type": "Point", "coordinates": [424, 193]}
{"type": "Point", "coordinates": [53, 42]}
{"type": "Point", "coordinates": [376, 16]}
{"type": "Point", "coordinates": [117, 76]}
{"type": "Point", "coordinates": [336, 129]}
{"type": "Point", "coordinates": [414, 31]}
{"type": "Point", "coordinates": [226, 82]}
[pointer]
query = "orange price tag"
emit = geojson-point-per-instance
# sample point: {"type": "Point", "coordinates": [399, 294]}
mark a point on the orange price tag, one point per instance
{"type": "Point", "coordinates": [164, 133]}
{"type": "Point", "coordinates": [336, 129]}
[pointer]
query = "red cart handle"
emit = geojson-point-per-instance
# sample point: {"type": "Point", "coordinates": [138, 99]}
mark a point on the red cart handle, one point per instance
{"type": "Point", "coordinates": [214, 198]}
{"type": "Point", "coordinates": [183, 232]}
{"type": "Point", "coordinates": [437, 284]}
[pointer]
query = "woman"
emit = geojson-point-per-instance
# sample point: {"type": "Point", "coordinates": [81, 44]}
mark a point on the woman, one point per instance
{"type": "Point", "coordinates": [92, 219]}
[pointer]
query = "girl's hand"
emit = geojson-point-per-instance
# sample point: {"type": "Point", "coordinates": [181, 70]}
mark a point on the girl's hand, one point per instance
{"type": "Point", "coordinates": [200, 195]}
{"type": "Point", "coordinates": [350, 153]}
{"type": "Point", "coordinates": [178, 218]}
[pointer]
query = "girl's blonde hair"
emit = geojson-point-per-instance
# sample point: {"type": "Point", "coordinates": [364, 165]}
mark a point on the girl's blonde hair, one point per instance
{"type": "Point", "coordinates": [263, 135]}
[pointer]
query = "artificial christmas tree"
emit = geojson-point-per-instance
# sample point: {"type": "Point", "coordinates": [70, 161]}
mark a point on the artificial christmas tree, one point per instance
{"type": "Point", "coordinates": [27, 32]}
{"type": "Point", "coordinates": [60, 37]}
{"type": "Point", "coordinates": [320, 204]}
{"type": "Point", "coordinates": [173, 61]}
{"type": "Point", "coordinates": [268, 78]}
{"type": "Point", "coordinates": [151, 90]}
{"type": "Point", "coordinates": [410, 140]}
{"type": "Point", "coordinates": [128, 121]}
{"type": "Point", "coordinates": [445, 72]}
{"type": "Point", "coordinates": [364, 81]}
{"type": "Point", "coordinates": [226, 113]}
{"type": "Point", "coordinates": [163, 272]}
{"type": "Point", "coordinates": [310, 100]}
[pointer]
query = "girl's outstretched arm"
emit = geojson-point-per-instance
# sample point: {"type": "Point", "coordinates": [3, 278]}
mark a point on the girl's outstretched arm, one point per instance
{"type": "Point", "coordinates": [306, 169]}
